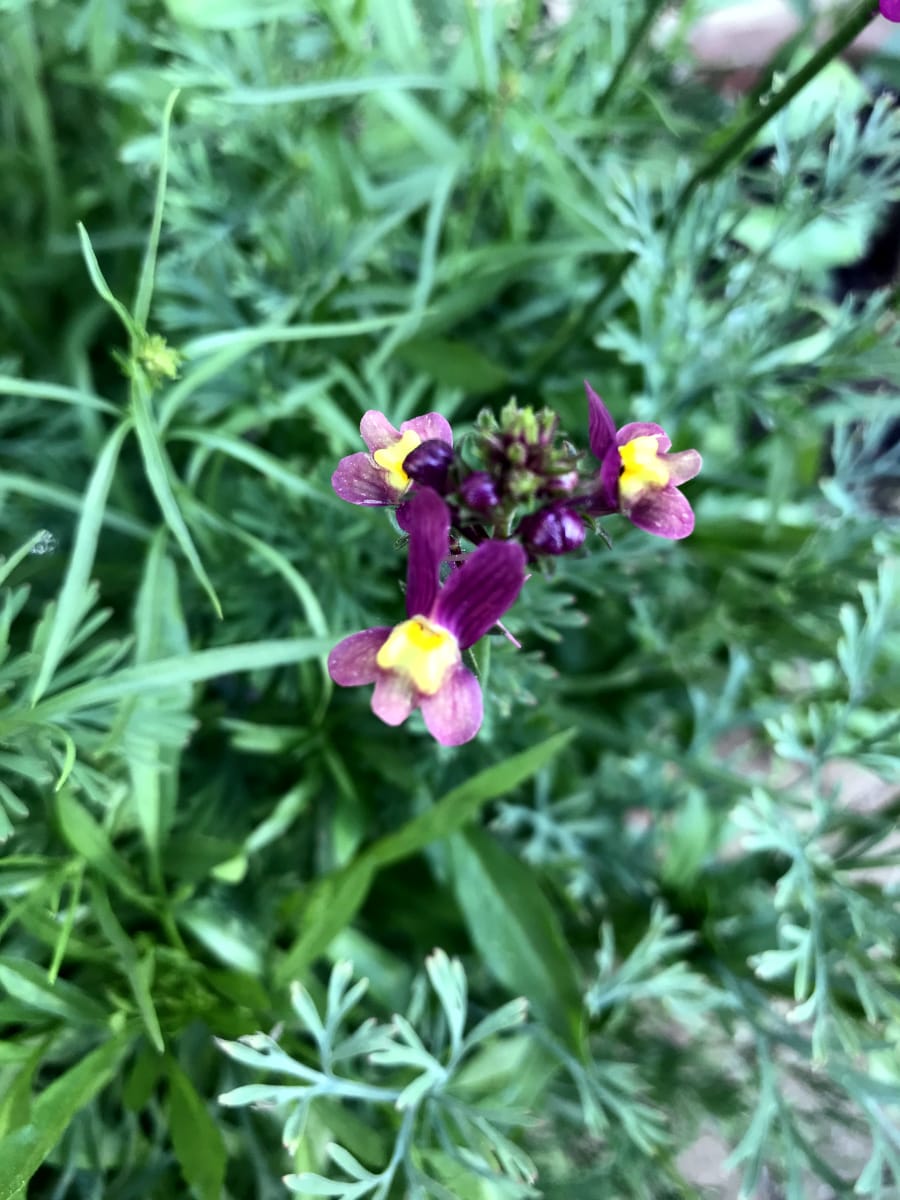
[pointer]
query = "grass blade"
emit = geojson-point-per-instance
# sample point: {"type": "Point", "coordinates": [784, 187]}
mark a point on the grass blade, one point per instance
{"type": "Point", "coordinates": [169, 673]}
{"type": "Point", "coordinates": [104, 291]}
{"type": "Point", "coordinates": [161, 477]}
{"type": "Point", "coordinates": [70, 606]}
{"type": "Point", "coordinates": [148, 270]}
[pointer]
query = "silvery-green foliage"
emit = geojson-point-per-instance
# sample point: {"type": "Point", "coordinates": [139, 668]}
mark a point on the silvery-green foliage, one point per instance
{"type": "Point", "coordinates": [439, 1122]}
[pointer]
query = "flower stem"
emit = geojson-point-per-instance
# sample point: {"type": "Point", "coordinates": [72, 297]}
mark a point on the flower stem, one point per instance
{"type": "Point", "coordinates": [640, 31]}
{"type": "Point", "coordinates": [732, 144]}
{"type": "Point", "coordinates": [728, 145]}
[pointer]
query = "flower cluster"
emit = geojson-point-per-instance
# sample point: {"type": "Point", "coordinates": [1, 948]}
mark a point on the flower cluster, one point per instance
{"type": "Point", "coordinates": [518, 492]}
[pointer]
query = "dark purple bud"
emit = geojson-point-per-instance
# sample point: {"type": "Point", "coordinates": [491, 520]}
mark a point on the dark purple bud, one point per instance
{"type": "Point", "coordinates": [552, 531]}
{"type": "Point", "coordinates": [429, 463]}
{"type": "Point", "coordinates": [479, 492]}
{"type": "Point", "coordinates": [561, 484]}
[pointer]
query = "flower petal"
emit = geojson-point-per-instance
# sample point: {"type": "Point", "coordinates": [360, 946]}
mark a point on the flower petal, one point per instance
{"type": "Point", "coordinates": [358, 481]}
{"type": "Point", "coordinates": [377, 431]}
{"type": "Point", "coordinates": [426, 518]}
{"type": "Point", "coordinates": [352, 662]}
{"type": "Point", "coordinates": [429, 464]}
{"type": "Point", "coordinates": [431, 425]}
{"type": "Point", "coordinates": [454, 713]}
{"type": "Point", "coordinates": [394, 697]}
{"type": "Point", "coordinates": [477, 595]}
{"type": "Point", "coordinates": [644, 429]}
{"type": "Point", "coordinates": [683, 465]}
{"type": "Point", "coordinates": [609, 480]}
{"type": "Point", "coordinates": [601, 426]}
{"type": "Point", "coordinates": [664, 512]}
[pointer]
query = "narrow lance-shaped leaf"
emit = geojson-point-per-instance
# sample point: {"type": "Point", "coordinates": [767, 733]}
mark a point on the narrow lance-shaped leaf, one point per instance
{"type": "Point", "coordinates": [516, 931]}
{"type": "Point", "coordinates": [70, 605]}
{"type": "Point", "coordinates": [168, 673]}
{"type": "Point", "coordinates": [162, 479]}
{"type": "Point", "coordinates": [335, 900]}
{"type": "Point", "coordinates": [196, 1137]}
{"type": "Point", "coordinates": [148, 270]}
{"type": "Point", "coordinates": [23, 1150]}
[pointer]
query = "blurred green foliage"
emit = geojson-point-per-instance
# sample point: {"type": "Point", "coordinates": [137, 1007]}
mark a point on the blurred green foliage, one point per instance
{"type": "Point", "coordinates": [232, 226]}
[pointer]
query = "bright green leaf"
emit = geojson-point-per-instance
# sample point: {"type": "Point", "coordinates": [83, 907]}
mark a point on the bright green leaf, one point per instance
{"type": "Point", "coordinates": [516, 930]}
{"type": "Point", "coordinates": [197, 1139]}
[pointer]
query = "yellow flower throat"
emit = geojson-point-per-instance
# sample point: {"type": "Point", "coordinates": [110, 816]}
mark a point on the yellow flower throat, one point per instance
{"type": "Point", "coordinates": [642, 467]}
{"type": "Point", "coordinates": [420, 650]}
{"type": "Point", "coordinates": [390, 459]}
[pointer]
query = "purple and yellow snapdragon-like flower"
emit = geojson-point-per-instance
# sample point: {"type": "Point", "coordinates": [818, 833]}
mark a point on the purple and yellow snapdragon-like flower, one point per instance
{"type": "Point", "coordinates": [377, 476]}
{"type": "Point", "coordinates": [638, 477]}
{"type": "Point", "coordinates": [418, 663]}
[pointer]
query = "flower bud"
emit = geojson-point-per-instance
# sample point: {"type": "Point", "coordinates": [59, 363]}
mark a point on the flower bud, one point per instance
{"type": "Point", "coordinates": [552, 531]}
{"type": "Point", "coordinates": [429, 463]}
{"type": "Point", "coordinates": [561, 485]}
{"type": "Point", "coordinates": [479, 492]}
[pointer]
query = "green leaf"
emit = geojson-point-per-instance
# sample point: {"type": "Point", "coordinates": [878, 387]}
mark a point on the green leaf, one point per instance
{"type": "Point", "coordinates": [143, 1077]}
{"type": "Point", "coordinates": [196, 1138]}
{"type": "Point", "coordinates": [169, 673]}
{"type": "Point", "coordinates": [824, 242]}
{"type": "Point", "coordinates": [159, 630]}
{"type": "Point", "coordinates": [516, 931]}
{"type": "Point", "coordinates": [228, 14]}
{"type": "Point", "coordinates": [15, 1105]}
{"type": "Point", "coordinates": [148, 270]}
{"type": "Point", "coordinates": [334, 89]}
{"type": "Point", "coordinates": [453, 364]}
{"type": "Point", "coordinates": [138, 972]}
{"type": "Point", "coordinates": [836, 86]}
{"type": "Point", "coordinates": [102, 287]}
{"type": "Point", "coordinates": [272, 335]}
{"type": "Point", "coordinates": [266, 464]}
{"type": "Point", "coordinates": [23, 1151]}
{"type": "Point", "coordinates": [333, 903]}
{"type": "Point", "coordinates": [89, 839]}
{"type": "Point", "coordinates": [53, 495]}
{"type": "Point", "coordinates": [27, 983]}
{"type": "Point", "coordinates": [162, 479]}
{"type": "Point", "coordinates": [334, 900]}
{"type": "Point", "coordinates": [10, 386]}
{"type": "Point", "coordinates": [73, 597]}
{"type": "Point", "coordinates": [460, 806]}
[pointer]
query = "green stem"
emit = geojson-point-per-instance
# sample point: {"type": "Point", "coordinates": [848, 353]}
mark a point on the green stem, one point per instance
{"type": "Point", "coordinates": [732, 143]}
{"type": "Point", "coordinates": [635, 42]}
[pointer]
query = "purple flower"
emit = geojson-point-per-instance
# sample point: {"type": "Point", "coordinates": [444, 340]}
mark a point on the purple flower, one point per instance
{"type": "Point", "coordinates": [418, 663]}
{"type": "Point", "coordinates": [890, 9]}
{"type": "Point", "coordinates": [637, 476]}
{"type": "Point", "coordinates": [378, 477]}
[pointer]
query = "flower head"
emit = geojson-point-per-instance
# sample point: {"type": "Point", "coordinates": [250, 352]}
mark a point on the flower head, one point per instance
{"type": "Point", "coordinates": [378, 477]}
{"type": "Point", "coordinates": [418, 663]}
{"type": "Point", "coordinates": [638, 477]}
{"type": "Point", "coordinates": [890, 9]}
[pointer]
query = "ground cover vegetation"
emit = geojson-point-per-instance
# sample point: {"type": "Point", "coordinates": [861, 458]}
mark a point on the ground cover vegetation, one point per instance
{"type": "Point", "coordinates": [255, 941]}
